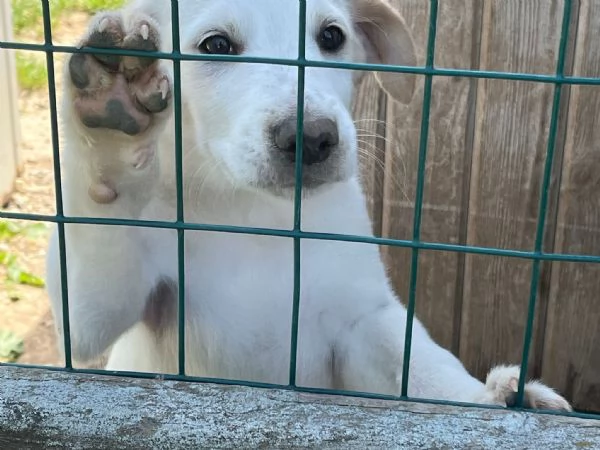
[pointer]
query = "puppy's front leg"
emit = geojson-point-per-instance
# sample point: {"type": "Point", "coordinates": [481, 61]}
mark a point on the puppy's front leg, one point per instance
{"type": "Point", "coordinates": [114, 111]}
{"type": "Point", "coordinates": [370, 359]}
{"type": "Point", "coordinates": [108, 286]}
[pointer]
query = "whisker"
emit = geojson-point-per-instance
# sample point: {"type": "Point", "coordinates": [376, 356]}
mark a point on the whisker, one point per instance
{"type": "Point", "coordinates": [370, 120]}
{"type": "Point", "coordinates": [392, 169]}
{"type": "Point", "coordinates": [368, 134]}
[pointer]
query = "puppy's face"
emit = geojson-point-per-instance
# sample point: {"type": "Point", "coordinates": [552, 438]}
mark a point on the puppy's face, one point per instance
{"type": "Point", "coordinates": [244, 114]}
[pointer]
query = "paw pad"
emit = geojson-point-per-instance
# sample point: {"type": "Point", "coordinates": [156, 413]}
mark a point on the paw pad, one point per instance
{"type": "Point", "coordinates": [117, 92]}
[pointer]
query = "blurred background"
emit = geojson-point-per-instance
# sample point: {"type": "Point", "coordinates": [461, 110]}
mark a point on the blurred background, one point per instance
{"type": "Point", "coordinates": [26, 329]}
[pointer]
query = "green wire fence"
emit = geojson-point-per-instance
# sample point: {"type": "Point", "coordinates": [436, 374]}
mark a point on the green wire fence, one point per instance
{"type": "Point", "coordinates": [416, 245]}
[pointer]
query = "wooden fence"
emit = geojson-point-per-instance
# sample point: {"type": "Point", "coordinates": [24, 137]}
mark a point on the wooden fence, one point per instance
{"type": "Point", "coordinates": [487, 148]}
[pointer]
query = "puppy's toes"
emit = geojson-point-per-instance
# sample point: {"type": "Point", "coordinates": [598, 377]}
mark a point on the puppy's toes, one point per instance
{"type": "Point", "coordinates": [153, 93]}
{"type": "Point", "coordinates": [114, 92]}
{"type": "Point", "coordinates": [502, 384]}
{"type": "Point", "coordinates": [540, 396]}
{"type": "Point", "coordinates": [143, 36]}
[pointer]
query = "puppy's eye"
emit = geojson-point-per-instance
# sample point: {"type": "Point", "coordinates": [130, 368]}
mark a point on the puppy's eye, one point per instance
{"type": "Point", "coordinates": [217, 45]}
{"type": "Point", "coordinates": [331, 39]}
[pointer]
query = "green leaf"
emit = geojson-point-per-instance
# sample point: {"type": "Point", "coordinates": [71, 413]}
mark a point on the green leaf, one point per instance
{"type": "Point", "coordinates": [8, 229]}
{"type": "Point", "coordinates": [13, 272]}
{"type": "Point", "coordinates": [7, 259]}
{"type": "Point", "coordinates": [11, 346]}
{"type": "Point", "coordinates": [31, 280]}
{"type": "Point", "coordinates": [35, 230]}
{"type": "Point", "coordinates": [17, 275]}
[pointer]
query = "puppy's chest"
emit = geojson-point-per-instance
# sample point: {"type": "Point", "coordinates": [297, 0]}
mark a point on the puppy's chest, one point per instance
{"type": "Point", "coordinates": [239, 278]}
{"type": "Point", "coordinates": [234, 271]}
{"type": "Point", "coordinates": [223, 270]}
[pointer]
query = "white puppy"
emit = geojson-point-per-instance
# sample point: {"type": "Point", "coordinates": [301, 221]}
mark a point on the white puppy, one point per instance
{"type": "Point", "coordinates": [239, 134]}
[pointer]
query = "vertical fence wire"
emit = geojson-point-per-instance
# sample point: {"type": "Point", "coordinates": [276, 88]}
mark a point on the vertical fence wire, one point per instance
{"type": "Point", "coordinates": [298, 189]}
{"type": "Point", "coordinates": [66, 327]}
{"type": "Point", "coordinates": [544, 198]}
{"type": "Point", "coordinates": [179, 185]}
{"type": "Point", "coordinates": [424, 141]}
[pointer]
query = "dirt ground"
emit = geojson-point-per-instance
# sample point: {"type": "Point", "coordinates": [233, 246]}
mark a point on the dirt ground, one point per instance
{"type": "Point", "coordinates": [25, 310]}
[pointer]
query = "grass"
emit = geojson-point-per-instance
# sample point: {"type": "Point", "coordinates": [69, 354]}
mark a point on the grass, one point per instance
{"type": "Point", "coordinates": [11, 346]}
{"type": "Point", "coordinates": [32, 75]}
{"type": "Point", "coordinates": [15, 273]}
{"type": "Point", "coordinates": [31, 70]}
{"type": "Point", "coordinates": [28, 20]}
{"type": "Point", "coordinates": [27, 14]}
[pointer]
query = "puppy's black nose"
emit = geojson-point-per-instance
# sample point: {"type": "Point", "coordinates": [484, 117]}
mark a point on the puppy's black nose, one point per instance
{"type": "Point", "coordinates": [320, 137]}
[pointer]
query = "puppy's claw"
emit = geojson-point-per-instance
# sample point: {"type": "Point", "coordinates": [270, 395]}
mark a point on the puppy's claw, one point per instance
{"type": "Point", "coordinates": [103, 25]}
{"type": "Point", "coordinates": [164, 88]}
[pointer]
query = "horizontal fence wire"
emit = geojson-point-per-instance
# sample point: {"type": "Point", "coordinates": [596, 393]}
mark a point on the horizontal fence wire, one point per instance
{"type": "Point", "coordinates": [416, 244]}
{"type": "Point", "coordinates": [415, 70]}
{"type": "Point", "coordinates": [234, 229]}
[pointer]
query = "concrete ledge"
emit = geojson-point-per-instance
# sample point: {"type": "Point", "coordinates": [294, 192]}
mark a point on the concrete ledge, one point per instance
{"type": "Point", "coordinates": [42, 409]}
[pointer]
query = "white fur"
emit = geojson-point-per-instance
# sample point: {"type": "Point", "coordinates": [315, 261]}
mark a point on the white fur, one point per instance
{"type": "Point", "coordinates": [239, 287]}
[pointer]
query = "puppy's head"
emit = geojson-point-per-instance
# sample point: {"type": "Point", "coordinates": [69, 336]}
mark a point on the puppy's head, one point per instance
{"type": "Point", "coordinates": [244, 114]}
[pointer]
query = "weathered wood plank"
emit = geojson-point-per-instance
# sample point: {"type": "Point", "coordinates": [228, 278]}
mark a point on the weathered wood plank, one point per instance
{"type": "Point", "coordinates": [571, 352]}
{"type": "Point", "coordinates": [545, 281]}
{"type": "Point", "coordinates": [508, 160]}
{"type": "Point", "coordinates": [40, 409]}
{"type": "Point", "coordinates": [447, 165]}
{"type": "Point", "coordinates": [400, 146]}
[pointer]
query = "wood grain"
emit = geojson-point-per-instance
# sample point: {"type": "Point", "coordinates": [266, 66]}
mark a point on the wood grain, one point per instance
{"type": "Point", "coordinates": [508, 159]}
{"type": "Point", "coordinates": [447, 167]}
{"type": "Point", "coordinates": [571, 359]}
{"type": "Point", "coordinates": [487, 148]}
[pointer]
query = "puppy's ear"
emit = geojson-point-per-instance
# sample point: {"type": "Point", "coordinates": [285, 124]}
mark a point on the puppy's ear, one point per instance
{"type": "Point", "coordinates": [386, 40]}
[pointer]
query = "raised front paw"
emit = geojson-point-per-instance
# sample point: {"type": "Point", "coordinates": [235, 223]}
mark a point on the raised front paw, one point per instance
{"type": "Point", "coordinates": [501, 388]}
{"type": "Point", "coordinates": [114, 92]}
